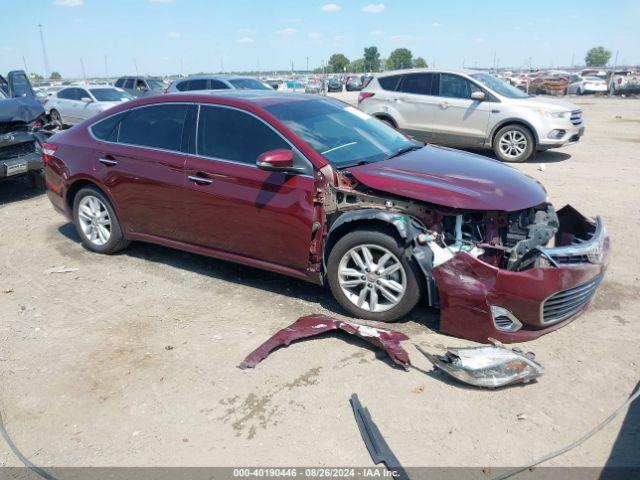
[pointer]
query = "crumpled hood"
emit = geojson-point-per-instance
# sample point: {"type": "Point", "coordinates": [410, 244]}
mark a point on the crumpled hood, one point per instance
{"type": "Point", "coordinates": [21, 109]}
{"type": "Point", "coordinates": [453, 178]}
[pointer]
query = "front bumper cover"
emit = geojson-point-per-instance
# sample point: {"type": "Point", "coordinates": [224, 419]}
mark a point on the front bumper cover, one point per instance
{"type": "Point", "coordinates": [469, 287]}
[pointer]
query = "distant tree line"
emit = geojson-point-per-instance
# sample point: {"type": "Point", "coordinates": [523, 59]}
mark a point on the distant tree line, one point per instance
{"type": "Point", "coordinates": [371, 62]}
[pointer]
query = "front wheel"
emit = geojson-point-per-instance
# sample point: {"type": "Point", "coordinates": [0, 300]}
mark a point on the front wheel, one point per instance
{"type": "Point", "coordinates": [96, 222]}
{"type": "Point", "coordinates": [56, 119]}
{"type": "Point", "coordinates": [371, 278]}
{"type": "Point", "coordinates": [514, 143]}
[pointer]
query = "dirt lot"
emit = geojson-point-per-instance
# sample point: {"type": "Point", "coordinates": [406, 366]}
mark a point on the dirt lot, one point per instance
{"type": "Point", "coordinates": [131, 360]}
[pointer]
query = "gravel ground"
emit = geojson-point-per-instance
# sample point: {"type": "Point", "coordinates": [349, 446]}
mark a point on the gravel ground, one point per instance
{"type": "Point", "coordinates": [131, 360]}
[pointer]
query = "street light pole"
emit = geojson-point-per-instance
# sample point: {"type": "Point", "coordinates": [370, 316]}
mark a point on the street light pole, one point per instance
{"type": "Point", "coordinates": [44, 53]}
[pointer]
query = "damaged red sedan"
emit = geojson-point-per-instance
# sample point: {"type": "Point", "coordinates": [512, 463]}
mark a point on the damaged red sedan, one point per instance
{"type": "Point", "coordinates": [313, 188]}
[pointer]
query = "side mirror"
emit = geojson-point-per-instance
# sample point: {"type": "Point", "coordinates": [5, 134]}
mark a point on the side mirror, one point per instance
{"type": "Point", "coordinates": [478, 96]}
{"type": "Point", "coordinates": [86, 100]}
{"type": "Point", "coordinates": [280, 160]}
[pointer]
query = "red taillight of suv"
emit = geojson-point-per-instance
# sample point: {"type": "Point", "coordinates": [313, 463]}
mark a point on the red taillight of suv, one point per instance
{"type": "Point", "coordinates": [48, 151]}
{"type": "Point", "coordinates": [364, 95]}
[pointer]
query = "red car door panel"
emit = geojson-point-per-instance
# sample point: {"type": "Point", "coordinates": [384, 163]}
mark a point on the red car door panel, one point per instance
{"type": "Point", "coordinates": [250, 212]}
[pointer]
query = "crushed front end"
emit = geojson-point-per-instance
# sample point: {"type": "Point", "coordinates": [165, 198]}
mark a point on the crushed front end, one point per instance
{"type": "Point", "coordinates": [524, 274]}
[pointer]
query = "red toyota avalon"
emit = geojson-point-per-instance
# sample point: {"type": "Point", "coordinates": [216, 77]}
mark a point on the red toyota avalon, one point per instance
{"type": "Point", "coordinates": [313, 188]}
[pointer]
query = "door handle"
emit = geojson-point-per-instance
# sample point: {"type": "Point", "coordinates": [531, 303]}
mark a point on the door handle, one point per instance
{"type": "Point", "coordinates": [109, 162]}
{"type": "Point", "coordinates": [200, 180]}
{"type": "Point", "coordinates": [444, 105]}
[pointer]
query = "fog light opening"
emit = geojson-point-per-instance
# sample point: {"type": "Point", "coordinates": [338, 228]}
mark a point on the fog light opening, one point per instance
{"type": "Point", "coordinates": [504, 320]}
{"type": "Point", "coordinates": [556, 134]}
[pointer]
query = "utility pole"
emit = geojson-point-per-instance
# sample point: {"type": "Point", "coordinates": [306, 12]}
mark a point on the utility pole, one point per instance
{"type": "Point", "coordinates": [26, 69]}
{"type": "Point", "coordinates": [106, 67]}
{"type": "Point", "coordinates": [135, 64]}
{"type": "Point", "coordinates": [84, 73]}
{"type": "Point", "coordinates": [44, 53]}
{"type": "Point", "coordinates": [573, 57]}
{"type": "Point", "coordinates": [615, 62]}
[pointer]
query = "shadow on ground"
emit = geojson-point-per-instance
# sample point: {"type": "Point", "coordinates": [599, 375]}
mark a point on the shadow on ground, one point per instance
{"type": "Point", "coordinates": [16, 190]}
{"type": "Point", "coordinates": [548, 156]}
{"type": "Point", "coordinates": [252, 277]}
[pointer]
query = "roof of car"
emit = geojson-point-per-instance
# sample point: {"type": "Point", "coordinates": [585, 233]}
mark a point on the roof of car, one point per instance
{"type": "Point", "coordinates": [429, 70]}
{"type": "Point", "coordinates": [221, 76]}
{"type": "Point", "coordinates": [260, 98]}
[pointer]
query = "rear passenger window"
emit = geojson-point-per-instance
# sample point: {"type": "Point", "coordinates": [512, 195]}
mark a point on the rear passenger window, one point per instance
{"type": "Point", "coordinates": [419, 83]}
{"type": "Point", "coordinates": [217, 85]}
{"type": "Point", "coordinates": [199, 84]}
{"type": "Point", "coordinates": [158, 126]}
{"type": "Point", "coordinates": [129, 83]}
{"type": "Point", "coordinates": [229, 134]}
{"type": "Point", "coordinates": [390, 83]}
{"type": "Point", "coordinates": [182, 86]}
{"type": "Point", "coordinates": [107, 129]}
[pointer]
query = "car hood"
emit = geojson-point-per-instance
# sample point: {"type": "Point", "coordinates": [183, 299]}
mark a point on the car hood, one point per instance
{"type": "Point", "coordinates": [453, 178]}
{"type": "Point", "coordinates": [540, 102]}
{"type": "Point", "coordinates": [21, 109]}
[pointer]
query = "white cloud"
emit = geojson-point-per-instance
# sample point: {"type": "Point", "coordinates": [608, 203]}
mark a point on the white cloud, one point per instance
{"type": "Point", "coordinates": [479, 40]}
{"type": "Point", "coordinates": [314, 35]}
{"type": "Point", "coordinates": [68, 3]}
{"type": "Point", "coordinates": [173, 34]}
{"type": "Point", "coordinates": [436, 25]}
{"type": "Point", "coordinates": [376, 33]}
{"type": "Point", "coordinates": [246, 30]}
{"type": "Point", "coordinates": [286, 31]}
{"type": "Point", "coordinates": [374, 8]}
{"type": "Point", "coordinates": [331, 8]}
{"type": "Point", "coordinates": [245, 40]}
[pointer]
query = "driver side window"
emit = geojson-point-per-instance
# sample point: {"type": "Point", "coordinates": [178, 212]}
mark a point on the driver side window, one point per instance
{"type": "Point", "coordinates": [455, 86]}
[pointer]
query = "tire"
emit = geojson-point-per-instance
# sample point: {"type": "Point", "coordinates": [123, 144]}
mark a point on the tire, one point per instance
{"type": "Point", "coordinates": [514, 143]}
{"type": "Point", "coordinates": [388, 122]}
{"type": "Point", "coordinates": [378, 244]}
{"type": "Point", "coordinates": [89, 207]}
{"type": "Point", "coordinates": [56, 118]}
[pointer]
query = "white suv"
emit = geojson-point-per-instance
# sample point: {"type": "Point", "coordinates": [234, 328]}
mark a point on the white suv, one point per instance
{"type": "Point", "coordinates": [471, 109]}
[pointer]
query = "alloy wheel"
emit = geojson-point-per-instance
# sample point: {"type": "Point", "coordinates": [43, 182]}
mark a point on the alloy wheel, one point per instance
{"type": "Point", "coordinates": [513, 144]}
{"type": "Point", "coordinates": [372, 278]}
{"type": "Point", "coordinates": [94, 219]}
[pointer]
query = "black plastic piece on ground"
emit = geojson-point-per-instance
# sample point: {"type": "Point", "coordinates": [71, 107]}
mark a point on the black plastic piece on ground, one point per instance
{"type": "Point", "coordinates": [376, 444]}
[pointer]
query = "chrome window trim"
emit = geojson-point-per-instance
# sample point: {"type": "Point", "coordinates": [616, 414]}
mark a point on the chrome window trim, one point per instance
{"type": "Point", "coordinates": [198, 105]}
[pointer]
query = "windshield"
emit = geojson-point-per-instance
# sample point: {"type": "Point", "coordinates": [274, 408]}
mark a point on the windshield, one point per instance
{"type": "Point", "coordinates": [248, 84]}
{"type": "Point", "coordinates": [342, 134]}
{"type": "Point", "coordinates": [499, 86]}
{"type": "Point", "coordinates": [155, 84]}
{"type": "Point", "coordinates": [110, 95]}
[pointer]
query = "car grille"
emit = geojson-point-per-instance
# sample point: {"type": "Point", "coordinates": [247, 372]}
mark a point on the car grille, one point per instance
{"type": "Point", "coordinates": [17, 150]}
{"type": "Point", "coordinates": [576, 117]}
{"type": "Point", "coordinates": [566, 303]}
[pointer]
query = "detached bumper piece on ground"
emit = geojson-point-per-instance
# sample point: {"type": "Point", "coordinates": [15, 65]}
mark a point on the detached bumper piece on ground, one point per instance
{"type": "Point", "coordinates": [377, 446]}
{"type": "Point", "coordinates": [487, 366]}
{"type": "Point", "coordinates": [312, 325]}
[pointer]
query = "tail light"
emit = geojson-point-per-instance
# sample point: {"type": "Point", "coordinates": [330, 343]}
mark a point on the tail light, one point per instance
{"type": "Point", "coordinates": [165, 90]}
{"type": "Point", "coordinates": [48, 151]}
{"type": "Point", "coordinates": [364, 95]}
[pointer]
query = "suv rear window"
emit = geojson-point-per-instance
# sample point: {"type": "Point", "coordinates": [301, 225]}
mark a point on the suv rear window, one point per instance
{"type": "Point", "coordinates": [389, 83]}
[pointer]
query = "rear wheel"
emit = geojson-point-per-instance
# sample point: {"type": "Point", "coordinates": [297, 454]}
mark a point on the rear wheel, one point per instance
{"type": "Point", "coordinates": [96, 222]}
{"type": "Point", "coordinates": [514, 143]}
{"type": "Point", "coordinates": [387, 121]}
{"type": "Point", "coordinates": [371, 278]}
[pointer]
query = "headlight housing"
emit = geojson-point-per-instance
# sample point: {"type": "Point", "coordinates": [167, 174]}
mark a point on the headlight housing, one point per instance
{"type": "Point", "coordinates": [554, 113]}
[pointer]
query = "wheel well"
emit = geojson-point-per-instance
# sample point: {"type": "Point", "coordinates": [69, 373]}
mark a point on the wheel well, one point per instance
{"type": "Point", "coordinates": [363, 224]}
{"type": "Point", "coordinates": [383, 116]}
{"type": "Point", "coordinates": [520, 124]}
{"type": "Point", "coordinates": [75, 188]}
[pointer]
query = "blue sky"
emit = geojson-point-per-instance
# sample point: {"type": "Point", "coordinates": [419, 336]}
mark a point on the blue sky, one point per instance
{"type": "Point", "coordinates": [165, 36]}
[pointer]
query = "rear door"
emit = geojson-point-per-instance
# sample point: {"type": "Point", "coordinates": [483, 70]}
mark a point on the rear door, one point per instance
{"type": "Point", "coordinates": [65, 103]}
{"type": "Point", "coordinates": [417, 104]}
{"type": "Point", "coordinates": [458, 119]}
{"type": "Point", "coordinates": [142, 164]}
{"type": "Point", "coordinates": [234, 206]}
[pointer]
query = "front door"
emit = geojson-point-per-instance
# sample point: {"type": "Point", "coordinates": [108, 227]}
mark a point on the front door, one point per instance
{"type": "Point", "coordinates": [234, 206]}
{"type": "Point", "coordinates": [460, 120]}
